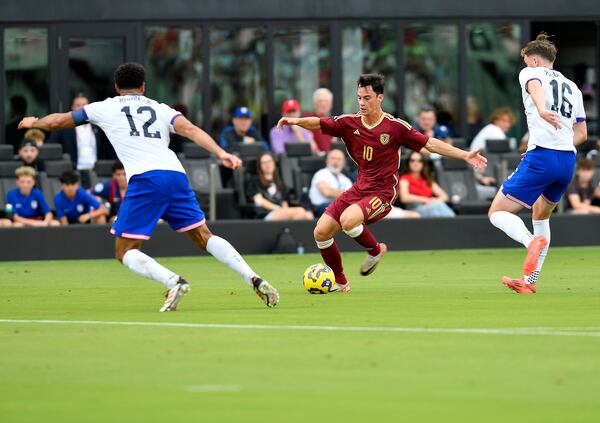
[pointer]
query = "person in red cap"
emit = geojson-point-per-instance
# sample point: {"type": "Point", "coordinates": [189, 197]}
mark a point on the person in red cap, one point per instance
{"type": "Point", "coordinates": [293, 133]}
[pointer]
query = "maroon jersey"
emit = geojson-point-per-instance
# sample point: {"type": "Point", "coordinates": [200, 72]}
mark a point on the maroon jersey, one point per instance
{"type": "Point", "coordinates": [375, 149]}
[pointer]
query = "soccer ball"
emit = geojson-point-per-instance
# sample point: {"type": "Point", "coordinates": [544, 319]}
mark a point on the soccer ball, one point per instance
{"type": "Point", "coordinates": [319, 279]}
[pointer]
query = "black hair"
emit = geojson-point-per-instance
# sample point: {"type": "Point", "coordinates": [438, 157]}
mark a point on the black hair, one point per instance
{"type": "Point", "coordinates": [117, 165]}
{"type": "Point", "coordinates": [375, 80]}
{"type": "Point", "coordinates": [426, 108]}
{"type": "Point", "coordinates": [70, 177]}
{"type": "Point", "coordinates": [130, 75]}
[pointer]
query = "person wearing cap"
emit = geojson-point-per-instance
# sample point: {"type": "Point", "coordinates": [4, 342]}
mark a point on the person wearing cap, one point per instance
{"type": "Point", "coordinates": [292, 133]}
{"type": "Point", "coordinates": [241, 131]}
{"type": "Point", "coordinates": [28, 155]}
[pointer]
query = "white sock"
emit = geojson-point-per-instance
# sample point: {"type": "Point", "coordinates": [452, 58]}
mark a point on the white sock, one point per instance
{"type": "Point", "coordinates": [542, 228]}
{"type": "Point", "coordinates": [223, 251]}
{"type": "Point", "coordinates": [512, 226]}
{"type": "Point", "coordinates": [147, 267]}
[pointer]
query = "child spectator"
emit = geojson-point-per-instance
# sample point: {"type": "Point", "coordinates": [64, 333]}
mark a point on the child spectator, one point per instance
{"type": "Point", "coordinates": [583, 192]}
{"type": "Point", "coordinates": [37, 135]}
{"type": "Point", "coordinates": [28, 155]}
{"type": "Point", "coordinates": [26, 203]}
{"type": "Point", "coordinates": [74, 204]}
{"type": "Point", "coordinates": [113, 191]}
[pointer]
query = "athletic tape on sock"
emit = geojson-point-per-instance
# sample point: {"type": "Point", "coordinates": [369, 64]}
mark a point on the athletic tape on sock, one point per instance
{"type": "Point", "coordinates": [354, 232]}
{"type": "Point", "coordinates": [324, 244]}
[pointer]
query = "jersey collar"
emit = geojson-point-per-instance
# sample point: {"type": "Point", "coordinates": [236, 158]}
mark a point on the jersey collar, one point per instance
{"type": "Point", "coordinates": [362, 119]}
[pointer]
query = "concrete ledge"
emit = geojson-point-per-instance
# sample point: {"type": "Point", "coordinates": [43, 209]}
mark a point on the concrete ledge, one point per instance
{"type": "Point", "coordinates": [257, 237]}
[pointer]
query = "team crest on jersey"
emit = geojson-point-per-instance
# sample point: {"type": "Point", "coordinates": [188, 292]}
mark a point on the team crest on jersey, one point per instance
{"type": "Point", "coordinates": [34, 204]}
{"type": "Point", "coordinates": [384, 138]}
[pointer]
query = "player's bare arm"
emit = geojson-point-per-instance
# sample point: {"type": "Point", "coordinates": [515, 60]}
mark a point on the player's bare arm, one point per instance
{"type": "Point", "coordinates": [534, 87]}
{"type": "Point", "coordinates": [50, 122]}
{"type": "Point", "coordinates": [579, 133]}
{"type": "Point", "coordinates": [474, 158]}
{"type": "Point", "coordinates": [187, 129]}
{"type": "Point", "coordinates": [310, 123]}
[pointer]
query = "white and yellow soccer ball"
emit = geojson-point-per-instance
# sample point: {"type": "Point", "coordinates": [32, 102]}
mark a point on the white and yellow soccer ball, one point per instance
{"type": "Point", "coordinates": [319, 279]}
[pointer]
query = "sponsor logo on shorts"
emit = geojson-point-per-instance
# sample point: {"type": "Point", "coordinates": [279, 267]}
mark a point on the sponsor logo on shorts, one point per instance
{"type": "Point", "coordinates": [384, 138]}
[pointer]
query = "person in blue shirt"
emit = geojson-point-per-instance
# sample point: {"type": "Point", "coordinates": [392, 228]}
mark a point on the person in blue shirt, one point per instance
{"type": "Point", "coordinates": [113, 191]}
{"type": "Point", "coordinates": [74, 204]}
{"type": "Point", "coordinates": [241, 131]}
{"type": "Point", "coordinates": [26, 204]}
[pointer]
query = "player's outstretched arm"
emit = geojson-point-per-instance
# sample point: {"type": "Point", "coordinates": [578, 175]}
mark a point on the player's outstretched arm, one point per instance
{"type": "Point", "coordinates": [310, 123]}
{"type": "Point", "coordinates": [187, 129]}
{"type": "Point", "coordinates": [48, 123]}
{"type": "Point", "coordinates": [534, 87]}
{"type": "Point", "coordinates": [474, 158]}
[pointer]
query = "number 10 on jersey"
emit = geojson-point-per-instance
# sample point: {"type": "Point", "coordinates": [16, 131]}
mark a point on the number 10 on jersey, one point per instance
{"type": "Point", "coordinates": [367, 153]}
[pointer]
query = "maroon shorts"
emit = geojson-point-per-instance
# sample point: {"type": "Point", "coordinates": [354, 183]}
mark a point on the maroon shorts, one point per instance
{"type": "Point", "coordinates": [375, 205]}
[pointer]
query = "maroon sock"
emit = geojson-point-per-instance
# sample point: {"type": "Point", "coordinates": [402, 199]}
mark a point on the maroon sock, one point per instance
{"type": "Point", "coordinates": [367, 240]}
{"type": "Point", "coordinates": [332, 257]}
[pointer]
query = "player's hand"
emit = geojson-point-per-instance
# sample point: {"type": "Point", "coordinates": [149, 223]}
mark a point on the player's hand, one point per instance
{"type": "Point", "coordinates": [27, 122]}
{"type": "Point", "coordinates": [551, 117]}
{"type": "Point", "coordinates": [286, 121]}
{"type": "Point", "coordinates": [230, 161]}
{"type": "Point", "coordinates": [475, 159]}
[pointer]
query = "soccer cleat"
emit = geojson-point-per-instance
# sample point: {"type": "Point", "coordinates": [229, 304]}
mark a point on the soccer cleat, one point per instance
{"type": "Point", "coordinates": [341, 288]}
{"type": "Point", "coordinates": [534, 250]}
{"type": "Point", "coordinates": [519, 285]}
{"type": "Point", "coordinates": [265, 292]}
{"type": "Point", "coordinates": [175, 294]}
{"type": "Point", "coordinates": [371, 262]}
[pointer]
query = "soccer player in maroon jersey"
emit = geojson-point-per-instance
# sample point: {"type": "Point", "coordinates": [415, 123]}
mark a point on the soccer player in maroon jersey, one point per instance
{"type": "Point", "coordinates": [373, 139]}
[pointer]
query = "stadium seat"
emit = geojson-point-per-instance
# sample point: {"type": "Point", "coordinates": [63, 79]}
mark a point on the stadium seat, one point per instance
{"type": "Point", "coordinates": [457, 179]}
{"type": "Point", "coordinates": [103, 168]}
{"type": "Point", "coordinates": [307, 167]}
{"type": "Point", "coordinates": [7, 169]}
{"type": "Point", "coordinates": [49, 186]}
{"type": "Point", "coordinates": [459, 143]}
{"type": "Point", "coordinates": [297, 149]}
{"type": "Point", "coordinates": [253, 150]}
{"type": "Point", "coordinates": [51, 152]}
{"type": "Point", "coordinates": [497, 146]}
{"type": "Point", "coordinates": [6, 152]}
{"type": "Point", "coordinates": [193, 151]}
{"type": "Point", "coordinates": [55, 168]}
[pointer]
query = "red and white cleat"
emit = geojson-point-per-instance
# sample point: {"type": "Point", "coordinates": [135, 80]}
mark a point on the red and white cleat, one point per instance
{"type": "Point", "coordinates": [341, 288]}
{"type": "Point", "coordinates": [533, 253]}
{"type": "Point", "coordinates": [519, 285]}
{"type": "Point", "coordinates": [175, 294]}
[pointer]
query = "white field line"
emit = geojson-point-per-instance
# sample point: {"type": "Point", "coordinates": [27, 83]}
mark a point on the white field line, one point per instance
{"type": "Point", "coordinates": [545, 331]}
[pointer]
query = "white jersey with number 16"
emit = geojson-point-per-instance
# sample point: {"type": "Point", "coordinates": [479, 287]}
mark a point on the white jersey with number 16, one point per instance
{"type": "Point", "coordinates": [563, 97]}
{"type": "Point", "coordinates": [139, 129]}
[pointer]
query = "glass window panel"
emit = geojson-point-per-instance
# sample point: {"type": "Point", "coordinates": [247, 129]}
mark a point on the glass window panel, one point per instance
{"type": "Point", "coordinates": [174, 67]}
{"type": "Point", "coordinates": [92, 63]}
{"type": "Point", "coordinates": [26, 75]}
{"type": "Point", "coordinates": [431, 72]}
{"type": "Point", "coordinates": [237, 73]}
{"type": "Point", "coordinates": [301, 64]}
{"type": "Point", "coordinates": [494, 64]}
{"type": "Point", "coordinates": [369, 48]}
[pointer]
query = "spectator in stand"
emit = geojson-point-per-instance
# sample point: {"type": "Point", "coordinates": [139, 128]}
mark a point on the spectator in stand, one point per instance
{"type": "Point", "coordinates": [36, 135]}
{"type": "Point", "coordinates": [427, 124]}
{"type": "Point", "coordinates": [501, 121]}
{"type": "Point", "coordinates": [322, 103]}
{"type": "Point", "coordinates": [269, 195]}
{"type": "Point", "coordinates": [420, 192]}
{"type": "Point", "coordinates": [18, 110]}
{"type": "Point", "coordinates": [292, 133]}
{"type": "Point", "coordinates": [113, 191]}
{"type": "Point", "coordinates": [75, 205]}
{"type": "Point", "coordinates": [329, 183]}
{"type": "Point", "coordinates": [84, 144]}
{"type": "Point", "coordinates": [583, 192]}
{"type": "Point", "coordinates": [28, 155]}
{"type": "Point", "coordinates": [241, 131]}
{"type": "Point", "coordinates": [26, 203]}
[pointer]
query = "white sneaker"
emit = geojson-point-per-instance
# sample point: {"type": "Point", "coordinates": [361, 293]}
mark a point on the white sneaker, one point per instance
{"type": "Point", "coordinates": [175, 294]}
{"type": "Point", "coordinates": [341, 288]}
{"type": "Point", "coordinates": [265, 292]}
{"type": "Point", "coordinates": [371, 262]}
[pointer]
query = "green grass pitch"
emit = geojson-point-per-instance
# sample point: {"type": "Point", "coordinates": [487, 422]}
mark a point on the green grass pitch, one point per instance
{"type": "Point", "coordinates": [123, 373]}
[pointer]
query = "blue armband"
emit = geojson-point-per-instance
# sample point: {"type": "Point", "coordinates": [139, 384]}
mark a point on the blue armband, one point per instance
{"type": "Point", "coordinates": [80, 117]}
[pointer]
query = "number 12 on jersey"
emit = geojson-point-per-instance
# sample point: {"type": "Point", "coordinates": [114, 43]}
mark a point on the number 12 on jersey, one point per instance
{"type": "Point", "coordinates": [134, 131]}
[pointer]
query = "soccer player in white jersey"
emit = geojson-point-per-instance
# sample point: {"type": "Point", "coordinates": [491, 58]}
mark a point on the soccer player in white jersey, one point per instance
{"type": "Point", "coordinates": [556, 121]}
{"type": "Point", "coordinates": [139, 130]}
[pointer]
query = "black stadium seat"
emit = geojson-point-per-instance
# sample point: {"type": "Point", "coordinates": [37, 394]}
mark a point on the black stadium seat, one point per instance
{"type": "Point", "coordinates": [51, 152]}
{"type": "Point", "coordinates": [103, 168]}
{"type": "Point", "coordinates": [297, 149]}
{"type": "Point", "coordinates": [6, 152]}
{"type": "Point", "coordinates": [193, 151]}
{"type": "Point", "coordinates": [252, 150]}
{"type": "Point", "coordinates": [498, 146]}
{"type": "Point", "coordinates": [458, 180]}
{"type": "Point", "coordinates": [55, 168]}
{"type": "Point", "coordinates": [307, 167]}
{"type": "Point", "coordinates": [7, 169]}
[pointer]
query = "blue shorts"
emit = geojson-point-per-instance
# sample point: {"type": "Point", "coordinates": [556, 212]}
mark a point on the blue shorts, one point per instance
{"type": "Point", "coordinates": [542, 172]}
{"type": "Point", "coordinates": [153, 195]}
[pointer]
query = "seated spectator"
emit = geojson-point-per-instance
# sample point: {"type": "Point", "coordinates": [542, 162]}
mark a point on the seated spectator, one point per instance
{"type": "Point", "coordinates": [75, 205]}
{"type": "Point", "coordinates": [501, 121]}
{"type": "Point", "coordinates": [269, 195]}
{"type": "Point", "coordinates": [420, 192]}
{"type": "Point", "coordinates": [322, 102]}
{"type": "Point", "coordinates": [427, 124]}
{"type": "Point", "coordinates": [583, 192]}
{"type": "Point", "coordinates": [113, 191]}
{"type": "Point", "coordinates": [36, 135]}
{"type": "Point", "coordinates": [26, 203]}
{"type": "Point", "coordinates": [28, 155]}
{"type": "Point", "coordinates": [328, 183]}
{"type": "Point", "coordinates": [400, 213]}
{"type": "Point", "coordinates": [292, 133]}
{"type": "Point", "coordinates": [241, 131]}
